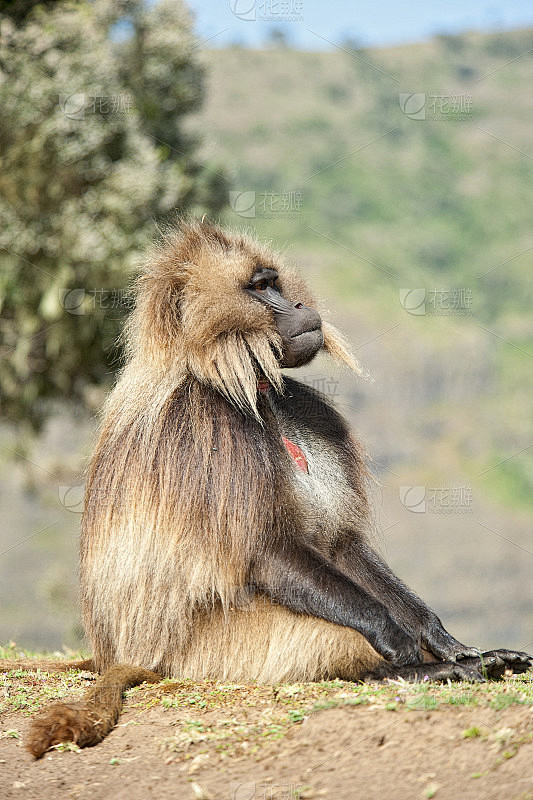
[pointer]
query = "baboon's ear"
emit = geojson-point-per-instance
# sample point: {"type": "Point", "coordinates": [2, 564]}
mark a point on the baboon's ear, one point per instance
{"type": "Point", "coordinates": [336, 345]}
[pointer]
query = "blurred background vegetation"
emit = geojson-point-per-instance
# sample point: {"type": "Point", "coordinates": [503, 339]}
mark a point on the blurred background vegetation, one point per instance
{"type": "Point", "coordinates": [113, 117]}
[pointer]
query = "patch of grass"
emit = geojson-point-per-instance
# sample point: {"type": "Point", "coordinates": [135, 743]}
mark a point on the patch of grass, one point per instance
{"type": "Point", "coordinates": [295, 715]}
{"type": "Point", "coordinates": [249, 717]}
{"type": "Point", "coordinates": [511, 740]}
{"type": "Point", "coordinates": [422, 702]}
{"type": "Point", "coordinates": [503, 736]}
{"type": "Point", "coordinates": [10, 734]}
{"type": "Point", "coordinates": [274, 711]}
{"type": "Point", "coordinates": [14, 652]}
{"type": "Point", "coordinates": [501, 701]}
{"type": "Point", "coordinates": [471, 733]}
{"type": "Point", "coordinates": [29, 690]}
{"type": "Point", "coordinates": [67, 747]}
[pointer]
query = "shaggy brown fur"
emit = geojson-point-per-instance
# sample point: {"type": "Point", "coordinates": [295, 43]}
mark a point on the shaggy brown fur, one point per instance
{"type": "Point", "coordinates": [205, 552]}
{"type": "Point", "coordinates": [190, 482]}
{"type": "Point", "coordinates": [184, 486]}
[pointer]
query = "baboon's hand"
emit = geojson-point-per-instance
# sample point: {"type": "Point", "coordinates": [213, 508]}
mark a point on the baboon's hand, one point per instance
{"type": "Point", "coordinates": [400, 648]}
{"type": "Point", "coordinates": [513, 660]}
{"type": "Point", "coordinates": [443, 645]}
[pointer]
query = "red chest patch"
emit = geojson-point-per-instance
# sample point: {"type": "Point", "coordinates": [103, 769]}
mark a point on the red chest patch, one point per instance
{"type": "Point", "coordinates": [296, 453]}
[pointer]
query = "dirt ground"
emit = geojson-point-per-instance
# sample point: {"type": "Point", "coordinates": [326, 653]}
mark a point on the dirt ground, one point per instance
{"type": "Point", "coordinates": [334, 740]}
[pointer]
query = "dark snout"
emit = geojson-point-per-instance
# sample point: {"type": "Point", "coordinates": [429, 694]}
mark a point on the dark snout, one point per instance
{"type": "Point", "coordinates": [301, 333]}
{"type": "Point", "coordinates": [300, 327]}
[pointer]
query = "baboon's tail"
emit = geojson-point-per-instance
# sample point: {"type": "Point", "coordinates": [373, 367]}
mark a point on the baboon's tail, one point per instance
{"type": "Point", "coordinates": [88, 721]}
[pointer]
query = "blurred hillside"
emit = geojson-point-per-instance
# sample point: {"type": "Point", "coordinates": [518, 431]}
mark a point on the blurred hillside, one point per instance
{"type": "Point", "coordinates": [378, 172]}
{"type": "Point", "coordinates": [389, 202]}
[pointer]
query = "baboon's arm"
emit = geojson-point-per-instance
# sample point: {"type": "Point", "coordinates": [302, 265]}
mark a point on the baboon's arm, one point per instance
{"type": "Point", "coordinates": [361, 563]}
{"type": "Point", "coordinates": [366, 567]}
{"type": "Point", "coordinates": [303, 581]}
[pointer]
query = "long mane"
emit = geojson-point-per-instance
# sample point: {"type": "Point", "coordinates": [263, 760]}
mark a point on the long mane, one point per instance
{"type": "Point", "coordinates": [186, 476]}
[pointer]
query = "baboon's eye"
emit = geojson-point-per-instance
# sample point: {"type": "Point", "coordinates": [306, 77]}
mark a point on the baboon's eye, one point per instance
{"type": "Point", "coordinates": [261, 286]}
{"type": "Point", "coordinates": [263, 280]}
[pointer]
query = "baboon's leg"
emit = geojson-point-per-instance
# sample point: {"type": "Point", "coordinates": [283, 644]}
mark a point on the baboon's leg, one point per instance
{"type": "Point", "coordinates": [270, 644]}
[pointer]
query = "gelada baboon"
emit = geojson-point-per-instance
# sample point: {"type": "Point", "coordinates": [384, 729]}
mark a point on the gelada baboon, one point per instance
{"type": "Point", "coordinates": [225, 531]}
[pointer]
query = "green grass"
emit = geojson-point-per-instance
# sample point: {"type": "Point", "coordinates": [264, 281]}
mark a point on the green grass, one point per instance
{"type": "Point", "coordinates": [233, 719]}
{"type": "Point", "coordinates": [30, 690]}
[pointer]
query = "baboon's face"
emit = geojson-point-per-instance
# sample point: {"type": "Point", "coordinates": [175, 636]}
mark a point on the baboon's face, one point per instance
{"type": "Point", "coordinates": [299, 326]}
{"type": "Point", "coordinates": [223, 309]}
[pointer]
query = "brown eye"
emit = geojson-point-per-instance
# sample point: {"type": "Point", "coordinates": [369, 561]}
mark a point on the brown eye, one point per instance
{"type": "Point", "coordinates": [261, 286]}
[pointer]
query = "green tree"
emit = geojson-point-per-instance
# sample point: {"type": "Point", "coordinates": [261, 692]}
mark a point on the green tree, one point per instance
{"type": "Point", "coordinates": [93, 148]}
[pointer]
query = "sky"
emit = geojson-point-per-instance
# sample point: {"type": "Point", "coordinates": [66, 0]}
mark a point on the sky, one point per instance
{"type": "Point", "coordinates": [315, 24]}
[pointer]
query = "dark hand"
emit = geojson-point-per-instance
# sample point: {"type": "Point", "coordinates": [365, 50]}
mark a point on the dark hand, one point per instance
{"type": "Point", "coordinates": [397, 646]}
{"type": "Point", "coordinates": [490, 665]}
{"type": "Point", "coordinates": [494, 663]}
{"type": "Point", "coordinates": [440, 671]}
{"type": "Point", "coordinates": [443, 645]}
{"type": "Point", "coordinates": [439, 642]}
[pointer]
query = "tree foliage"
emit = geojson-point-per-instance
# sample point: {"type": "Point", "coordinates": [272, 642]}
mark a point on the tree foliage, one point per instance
{"type": "Point", "coordinates": [93, 145]}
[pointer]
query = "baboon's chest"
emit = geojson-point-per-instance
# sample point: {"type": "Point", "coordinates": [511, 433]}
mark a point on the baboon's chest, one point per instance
{"type": "Point", "coordinates": [320, 484]}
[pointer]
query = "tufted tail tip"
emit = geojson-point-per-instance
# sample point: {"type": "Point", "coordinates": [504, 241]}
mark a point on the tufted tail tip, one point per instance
{"type": "Point", "coordinates": [88, 721]}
